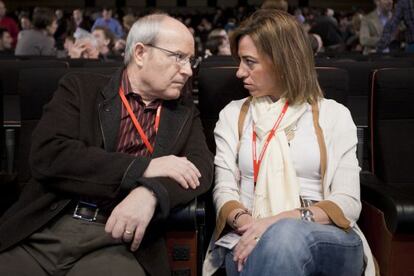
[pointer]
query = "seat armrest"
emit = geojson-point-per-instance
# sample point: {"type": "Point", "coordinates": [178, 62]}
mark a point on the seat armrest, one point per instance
{"type": "Point", "coordinates": [188, 217]}
{"type": "Point", "coordinates": [395, 200]}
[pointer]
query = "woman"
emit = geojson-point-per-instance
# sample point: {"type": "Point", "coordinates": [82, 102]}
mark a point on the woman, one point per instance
{"type": "Point", "coordinates": [217, 43]}
{"type": "Point", "coordinates": [292, 195]}
{"type": "Point", "coordinates": [38, 41]}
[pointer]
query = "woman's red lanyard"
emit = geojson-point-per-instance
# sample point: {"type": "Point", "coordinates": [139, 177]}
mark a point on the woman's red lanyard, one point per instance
{"type": "Point", "coordinates": [256, 163]}
{"type": "Point", "coordinates": [136, 123]}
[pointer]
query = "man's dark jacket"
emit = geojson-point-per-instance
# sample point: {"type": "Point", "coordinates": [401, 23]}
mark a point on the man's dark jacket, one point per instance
{"type": "Point", "coordinates": [73, 154]}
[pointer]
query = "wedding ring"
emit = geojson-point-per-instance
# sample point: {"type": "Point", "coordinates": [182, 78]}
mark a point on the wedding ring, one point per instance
{"type": "Point", "coordinates": [257, 239]}
{"type": "Point", "coordinates": [128, 232]}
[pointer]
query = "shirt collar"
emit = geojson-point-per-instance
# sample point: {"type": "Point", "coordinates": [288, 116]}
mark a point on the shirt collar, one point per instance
{"type": "Point", "coordinates": [126, 84]}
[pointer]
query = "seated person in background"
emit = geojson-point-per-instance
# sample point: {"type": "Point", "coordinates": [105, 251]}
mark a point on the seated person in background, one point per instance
{"type": "Point", "coordinates": [68, 43]}
{"type": "Point", "coordinates": [119, 47]}
{"type": "Point", "coordinates": [38, 41]}
{"type": "Point", "coordinates": [275, 4]}
{"type": "Point", "coordinates": [329, 32]}
{"type": "Point", "coordinates": [8, 22]}
{"type": "Point", "coordinates": [372, 25]}
{"type": "Point", "coordinates": [218, 43]}
{"type": "Point", "coordinates": [110, 158]}
{"type": "Point", "coordinates": [6, 43]}
{"type": "Point", "coordinates": [127, 22]}
{"type": "Point", "coordinates": [86, 47]}
{"type": "Point", "coordinates": [108, 21]}
{"type": "Point", "coordinates": [316, 43]}
{"type": "Point", "coordinates": [105, 41]}
{"type": "Point", "coordinates": [404, 11]}
{"type": "Point", "coordinates": [25, 23]}
{"type": "Point", "coordinates": [79, 21]}
{"type": "Point", "coordinates": [287, 176]}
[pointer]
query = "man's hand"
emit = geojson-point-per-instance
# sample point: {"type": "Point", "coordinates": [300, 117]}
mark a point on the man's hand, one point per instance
{"type": "Point", "coordinates": [177, 168]}
{"type": "Point", "coordinates": [131, 216]}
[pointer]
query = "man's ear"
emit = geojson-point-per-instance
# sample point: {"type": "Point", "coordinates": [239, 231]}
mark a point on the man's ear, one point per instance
{"type": "Point", "coordinates": [139, 51]}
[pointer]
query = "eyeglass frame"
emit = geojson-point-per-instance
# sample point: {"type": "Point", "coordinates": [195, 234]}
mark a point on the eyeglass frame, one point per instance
{"type": "Point", "coordinates": [179, 57]}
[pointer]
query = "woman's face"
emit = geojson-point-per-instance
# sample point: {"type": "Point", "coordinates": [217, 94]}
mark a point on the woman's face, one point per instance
{"type": "Point", "coordinates": [256, 70]}
{"type": "Point", "coordinates": [51, 29]}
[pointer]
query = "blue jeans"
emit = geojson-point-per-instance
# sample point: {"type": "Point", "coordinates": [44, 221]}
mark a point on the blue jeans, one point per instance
{"type": "Point", "coordinates": [296, 247]}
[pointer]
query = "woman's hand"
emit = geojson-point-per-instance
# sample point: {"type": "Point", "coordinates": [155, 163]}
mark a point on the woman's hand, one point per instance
{"type": "Point", "coordinates": [252, 233]}
{"type": "Point", "coordinates": [243, 220]}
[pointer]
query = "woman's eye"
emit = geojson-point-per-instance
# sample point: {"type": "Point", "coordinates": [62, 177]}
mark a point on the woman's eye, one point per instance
{"type": "Point", "coordinates": [250, 62]}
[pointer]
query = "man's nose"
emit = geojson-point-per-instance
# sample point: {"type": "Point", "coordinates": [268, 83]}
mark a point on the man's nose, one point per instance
{"type": "Point", "coordinates": [186, 69]}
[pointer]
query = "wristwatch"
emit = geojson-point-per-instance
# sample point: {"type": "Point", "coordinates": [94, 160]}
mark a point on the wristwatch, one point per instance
{"type": "Point", "coordinates": [306, 214]}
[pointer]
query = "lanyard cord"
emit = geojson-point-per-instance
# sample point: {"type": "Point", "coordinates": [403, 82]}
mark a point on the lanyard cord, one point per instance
{"type": "Point", "coordinates": [137, 124]}
{"type": "Point", "coordinates": [256, 163]}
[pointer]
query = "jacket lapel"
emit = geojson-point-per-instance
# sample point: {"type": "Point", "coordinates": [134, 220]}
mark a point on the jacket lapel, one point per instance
{"type": "Point", "coordinates": [110, 112]}
{"type": "Point", "coordinates": [173, 118]}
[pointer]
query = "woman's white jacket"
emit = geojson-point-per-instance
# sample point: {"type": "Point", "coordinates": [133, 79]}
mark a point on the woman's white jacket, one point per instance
{"type": "Point", "coordinates": [341, 181]}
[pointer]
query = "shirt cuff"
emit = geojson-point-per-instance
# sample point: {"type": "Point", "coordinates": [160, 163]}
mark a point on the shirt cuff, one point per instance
{"type": "Point", "coordinates": [224, 212]}
{"type": "Point", "coordinates": [334, 213]}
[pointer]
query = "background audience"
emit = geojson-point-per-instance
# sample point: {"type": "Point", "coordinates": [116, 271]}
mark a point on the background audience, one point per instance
{"type": "Point", "coordinates": [38, 41]}
{"type": "Point", "coordinates": [339, 30]}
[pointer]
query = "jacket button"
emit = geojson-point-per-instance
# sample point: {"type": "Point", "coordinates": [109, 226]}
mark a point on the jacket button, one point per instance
{"type": "Point", "coordinates": [107, 109]}
{"type": "Point", "coordinates": [53, 206]}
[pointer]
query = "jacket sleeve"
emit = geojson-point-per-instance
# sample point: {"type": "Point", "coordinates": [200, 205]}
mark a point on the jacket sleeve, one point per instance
{"type": "Point", "coordinates": [226, 193]}
{"type": "Point", "coordinates": [193, 145]}
{"type": "Point", "coordinates": [64, 158]}
{"type": "Point", "coordinates": [345, 186]}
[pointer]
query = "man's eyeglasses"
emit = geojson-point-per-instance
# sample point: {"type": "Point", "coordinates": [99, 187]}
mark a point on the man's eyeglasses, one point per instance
{"type": "Point", "coordinates": [180, 58]}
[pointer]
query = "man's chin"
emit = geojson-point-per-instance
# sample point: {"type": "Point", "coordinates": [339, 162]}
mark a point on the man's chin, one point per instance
{"type": "Point", "coordinates": [172, 93]}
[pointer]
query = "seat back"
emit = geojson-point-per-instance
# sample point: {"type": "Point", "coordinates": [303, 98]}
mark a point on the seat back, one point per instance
{"type": "Point", "coordinates": [360, 82]}
{"type": "Point", "coordinates": [217, 86]}
{"type": "Point", "coordinates": [392, 124]}
{"type": "Point", "coordinates": [9, 71]}
{"type": "Point", "coordinates": [334, 83]}
{"type": "Point", "coordinates": [36, 88]}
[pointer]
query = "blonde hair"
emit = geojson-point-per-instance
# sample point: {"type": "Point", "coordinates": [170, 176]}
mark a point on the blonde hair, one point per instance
{"type": "Point", "coordinates": [280, 37]}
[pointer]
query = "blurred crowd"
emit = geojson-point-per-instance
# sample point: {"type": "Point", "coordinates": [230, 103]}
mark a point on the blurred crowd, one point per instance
{"type": "Point", "coordinates": [100, 34]}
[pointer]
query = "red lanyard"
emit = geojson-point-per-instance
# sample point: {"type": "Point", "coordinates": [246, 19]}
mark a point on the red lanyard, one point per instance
{"type": "Point", "coordinates": [136, 123]}
{"type": "Point", "coordinates": [256, 163]}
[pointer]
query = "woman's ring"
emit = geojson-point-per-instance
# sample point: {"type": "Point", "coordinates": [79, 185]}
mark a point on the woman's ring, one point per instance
{"type": "Point", "coordinates": [128, 232]}
{"type": "Point", "coordinates": [257, 239]}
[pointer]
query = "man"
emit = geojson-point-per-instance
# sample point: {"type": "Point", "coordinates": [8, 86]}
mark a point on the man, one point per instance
{"type": "Point", "coordinates": [111, 23]}
{"type": "Point", "coordinates": [110, 158]}
{"type": "Point", "coordinates": [78, 21]}
{"type": "Point", "coordinates": [6, 47]}
{"type": "Point", "coordinates": [404, 12]}
{"type": "Point", "coordinates": [373, 24]}
{"type": "Point", "coordinates": [105, 41]}
{"type": "Point", "coordinates": [8, 23]}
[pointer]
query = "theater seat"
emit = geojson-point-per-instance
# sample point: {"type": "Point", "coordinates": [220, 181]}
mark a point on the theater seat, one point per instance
{"type": "Point", "coordinates": [387, 218]}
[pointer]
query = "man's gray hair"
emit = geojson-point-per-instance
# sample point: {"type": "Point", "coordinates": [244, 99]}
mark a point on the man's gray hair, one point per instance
{"type": "Point", "coordinates": [144, 30]}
